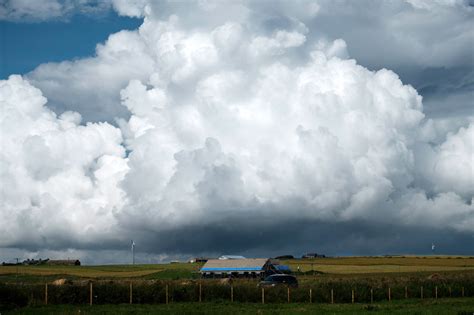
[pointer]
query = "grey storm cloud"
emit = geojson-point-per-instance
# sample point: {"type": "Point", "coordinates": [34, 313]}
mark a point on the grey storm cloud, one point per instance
{"type": "Point", "coordinates": [246, 129]}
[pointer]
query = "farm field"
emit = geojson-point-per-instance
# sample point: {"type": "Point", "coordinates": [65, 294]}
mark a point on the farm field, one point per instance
{"type": "Point", "coordinates": [396, 264]}
{"type": "Point", "coordinates": [419, 285]}
{"type": "Point", "coordinates": [310, 269]}
{"type": "Point", "coordinates": [441, 306]}
{"type": "Point", "coordinates": [149, 271]}
{"type": "Point", "coordinates": [343, 266]}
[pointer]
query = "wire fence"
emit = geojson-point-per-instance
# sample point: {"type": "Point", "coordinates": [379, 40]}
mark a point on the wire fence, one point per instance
{"type": "Point", "coordinates": [204, 291]}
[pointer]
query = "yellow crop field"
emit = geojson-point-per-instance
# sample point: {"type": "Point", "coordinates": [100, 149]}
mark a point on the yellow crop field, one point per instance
{"type": "Point", "coordinates": [106, 271]}
{"type": "Point", "coordinates": [329, 266]}
{"type": "Point", "coordinates": [364, 265]}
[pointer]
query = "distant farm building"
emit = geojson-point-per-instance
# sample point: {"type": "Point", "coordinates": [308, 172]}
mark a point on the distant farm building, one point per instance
{"type": "Point", "coordinates": [285, 257]}
{"type": "Point", "coordinates": [238, 268]}
{"type": "Point", "coordinates": [199, 260]}
{"type": "Point", "coordinates": [313, 255]}
{"type": "Point", "coordinates": [225, 257]}
{"type": "Point", "coordinates": [68, 262]}
{"type": "Point", "coordinates": [34, 261]}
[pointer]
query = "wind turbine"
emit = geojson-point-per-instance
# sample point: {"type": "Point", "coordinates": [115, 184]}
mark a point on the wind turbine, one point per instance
{"type": "Point", "coordinates": [133, 252]}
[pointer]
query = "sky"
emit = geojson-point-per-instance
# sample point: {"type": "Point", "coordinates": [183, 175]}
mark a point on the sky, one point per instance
{"type": "Point", "coordinates": [203, 128]}
{"type": "Point", "coordinates": [27, 45]}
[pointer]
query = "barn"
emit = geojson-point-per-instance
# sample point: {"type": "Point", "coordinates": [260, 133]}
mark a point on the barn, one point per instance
{"type": "Point", "coordinates": [237, 268]}
{"type": "Point", "coordinates": [68, 262]}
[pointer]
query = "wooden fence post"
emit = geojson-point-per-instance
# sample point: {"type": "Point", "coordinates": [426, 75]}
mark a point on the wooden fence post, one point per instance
{"type": "Point", "coordinates": [371, 295]}
{"type": "Point", "coordinates": [90, 293]}
{"type": "Point", "coordinates": [462, 291]}
{"type": "Point", "coordinates": [232, 293]}
{"type": "Point", "coordinates": [310, 295]}
{"type": "Point", "coordinates": [389, 294]}
{"type": "Point", "coordinates": [332, 296]}
{"type": "Point", "coordinates": [263, 295]}
{"type": "Point", "coordinates": [449, 291]}
{"type": "Point", "coordinates": [421, 290]}
{"type": "Point", "coordinates": [288, 290]}
{"type": "Point", "coordinates": [436, 292]}
{"type": "Point", "coordinates": [131, 293]}
{"type": "Point", "coordinates": [46, 294]}
{"type": "Point", "coordinates": [167, 297]}
{"type": "Point", "coordinates": [352, 296]}
{"type": "Point", "coordinates": [406, 292]}
{"type": "Point", "coordinates": [200, 292]}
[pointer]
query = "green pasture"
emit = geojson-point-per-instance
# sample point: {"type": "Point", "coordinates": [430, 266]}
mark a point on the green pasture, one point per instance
{"type": "Point", "coordinates": [440, 306]}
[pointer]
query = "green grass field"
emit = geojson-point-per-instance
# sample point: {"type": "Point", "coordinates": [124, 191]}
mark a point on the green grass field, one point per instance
{"type": "Point", "coordinates": [441, 306]}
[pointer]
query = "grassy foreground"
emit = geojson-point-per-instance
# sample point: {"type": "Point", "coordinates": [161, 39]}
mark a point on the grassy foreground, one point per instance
{"type": "Point", "coordinates": [440, 306]}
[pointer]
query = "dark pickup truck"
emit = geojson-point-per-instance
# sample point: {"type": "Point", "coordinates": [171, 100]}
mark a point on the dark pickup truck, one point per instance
{"type": "Point", "coordinates": [279, 279]}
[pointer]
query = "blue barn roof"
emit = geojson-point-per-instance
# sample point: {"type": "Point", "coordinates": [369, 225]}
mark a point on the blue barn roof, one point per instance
{"type": "Point", "coordinates": [234, 265]}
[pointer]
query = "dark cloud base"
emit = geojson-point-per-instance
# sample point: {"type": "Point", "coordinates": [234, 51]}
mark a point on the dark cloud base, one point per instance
{"type": "Point", "coordinates": [263, 238]}
{"type": "Point", "coordinates": [300, 236]}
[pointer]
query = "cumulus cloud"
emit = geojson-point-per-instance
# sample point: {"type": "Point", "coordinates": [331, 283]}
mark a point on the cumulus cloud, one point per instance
{"type": "Point", "coordinates": [450, 166]}
{"type": "Point", "coordinates": [59, 178]}
{"type": "Point", "coordinates": [391, 36]}
{"type": "Point", "coordinates": [42, 10]}
{"type": "Point", "coordinates": [92, 85]}
{"type": "Point", "coordinates": [238, 119]}
{"type": "Point", "coordinates": [134, 8]}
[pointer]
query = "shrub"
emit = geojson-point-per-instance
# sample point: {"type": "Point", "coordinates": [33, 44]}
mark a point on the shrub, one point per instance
{"type": "Point", "coordinates": [110, 293]}
{"type": "Point", "coordinates": [154, 291]}
{"type": "Point", "coordinates": [12, 297]}
{"type": "Point", "coordinates": [68, 294]}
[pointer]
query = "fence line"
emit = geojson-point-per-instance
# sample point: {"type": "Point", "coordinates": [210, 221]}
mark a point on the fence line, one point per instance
{"type": "Point", "coordinates": [90, 297]}
{"type": "Point", "coordinates": [100, 293]}
{"type": "Point", "coordinates": [200, 292]}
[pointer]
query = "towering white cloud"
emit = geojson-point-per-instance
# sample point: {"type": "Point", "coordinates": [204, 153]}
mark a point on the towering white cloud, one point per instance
{"type": "Point", "coordinates": [221, 117]}
{"type": "Point", "coordinates": [395, 34]}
